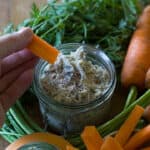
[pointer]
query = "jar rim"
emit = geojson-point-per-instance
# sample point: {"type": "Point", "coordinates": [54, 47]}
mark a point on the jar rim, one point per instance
{"type": "Point", "coordinates": [102, 99]}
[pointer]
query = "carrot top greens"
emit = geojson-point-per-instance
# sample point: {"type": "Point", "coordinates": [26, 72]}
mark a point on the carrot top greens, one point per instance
{"type": "Point", "coordinates": [108, 23]}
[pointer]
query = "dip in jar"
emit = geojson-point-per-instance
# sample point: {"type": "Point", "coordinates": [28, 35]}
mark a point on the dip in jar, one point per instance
{"type": "Point", "coordinates": [76, 90]}
{"type": "Point", "coordinates": [73, 79]}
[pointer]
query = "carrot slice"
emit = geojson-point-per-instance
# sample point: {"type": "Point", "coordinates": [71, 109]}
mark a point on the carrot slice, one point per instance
{"type": "Point", "coordinates": [138, 139]}
{"type": "Point", "coordinates": [91, 138]}
{"type": "Point", "coordinates": [128, 126]}
{"type": "Point", "coordinates": [43, 50]}
{"type": "Point", "coordinates": [111, 143]}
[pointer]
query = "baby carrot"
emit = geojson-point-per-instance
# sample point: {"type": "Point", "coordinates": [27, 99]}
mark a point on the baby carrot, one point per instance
{"type": "Point", "coordinates": [137, 60]}
{"type": "Point", "coordinates": [138, 139]}
{"type": "Point", "coordinates": [128, 126]}
{"type": "Point", "coordinates": [42, 49]}
{"type": "Point", "coordinates": [111, 143]}
{"type": "Point", "coordinates": [91, 138]}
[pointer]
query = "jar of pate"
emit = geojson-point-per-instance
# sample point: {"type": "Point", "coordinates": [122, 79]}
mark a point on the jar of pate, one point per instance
{"type": "Point", "coordinates": [79, 93]}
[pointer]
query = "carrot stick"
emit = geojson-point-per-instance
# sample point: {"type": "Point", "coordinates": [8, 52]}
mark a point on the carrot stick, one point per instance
{"type": "Point", "coordinates": [137, 60]}
{"type": "Point", "coordinates": [42, 49]}
{"type": "Point", "coordinates": [69, 147]}
{"type": "Point", "coordinates": [128, 126]}
{"type": "Point", "coordinates": [111, 143]}
{"type": "Point", "coordinates": [91, 138]}
{"type": "Point", "coordinates": [138, 139]}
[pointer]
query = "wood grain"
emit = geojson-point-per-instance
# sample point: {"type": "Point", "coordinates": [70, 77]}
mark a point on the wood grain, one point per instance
{"type": "Point", "coordinates": [16, 11]}
{"type": "Point", "coordinates": [4, 15]}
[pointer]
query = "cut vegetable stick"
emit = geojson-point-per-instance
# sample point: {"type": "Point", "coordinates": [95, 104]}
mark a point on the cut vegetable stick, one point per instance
{"type": "Point", "coordinates": [138, 139]}
{"type": "Point", "coordinates": [69, 147]}
{"type": "Point", "coordinates": [128, 126]}
{"type": "Point", "coordinates": [43, 50]}
{"type": "Point", "coordinates": [91, 138]}
{"type": "Point", "coordinates": [111, 143]}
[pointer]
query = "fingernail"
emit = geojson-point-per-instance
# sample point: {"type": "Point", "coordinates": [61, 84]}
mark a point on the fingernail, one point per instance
{"type": "Point", "coordinates": [26, 33]}
{"type": "Point", "coordinates": [23, 28]}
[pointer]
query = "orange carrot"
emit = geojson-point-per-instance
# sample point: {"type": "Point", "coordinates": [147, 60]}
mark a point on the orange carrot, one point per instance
{"type": "Point", "coordinates": [91, 138]}
{"type": "Point", "coordinates": [144, 20]}
{"type": "Point", "coordinates": [146, 148]}
{"type": "Point", "coordinates": [128, 126]}
{"type": "Point", "coordinates": [138, 139]}
{"type": "Point", "coordinates": [42, 49]}
{"type": "Point", "coordinates": [147, 79]}
{"type": "Point", "coordinates": [111, 143]}
{"type": "Point", "coordinates": [137, 60]}
{"type": "Point", "coordinates": [69, 147]}
{"type": "Point", "coordinates": [146, 114]}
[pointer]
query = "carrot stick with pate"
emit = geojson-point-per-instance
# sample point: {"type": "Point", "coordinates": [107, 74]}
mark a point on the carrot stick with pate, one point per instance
{"type": "Point", "coordinates": [42, 49]}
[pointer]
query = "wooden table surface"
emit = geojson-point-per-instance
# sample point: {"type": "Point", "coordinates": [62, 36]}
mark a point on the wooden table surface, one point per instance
{"type": "Point", "coordinates": [15, 11]}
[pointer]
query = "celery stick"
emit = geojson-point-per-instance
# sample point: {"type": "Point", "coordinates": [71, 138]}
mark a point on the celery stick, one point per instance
{"type": "Point", "coordinates": [131, 96]}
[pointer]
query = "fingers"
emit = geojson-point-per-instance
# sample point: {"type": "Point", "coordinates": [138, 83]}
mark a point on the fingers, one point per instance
{"type": "Point", "coordinates": [16, 89]}
{"type": "Point", "coordinates": [16, 41]}
{"type": "Point", "coordinates": [12, 61]}
{"type": "Point", "coordinates": [11, 76]}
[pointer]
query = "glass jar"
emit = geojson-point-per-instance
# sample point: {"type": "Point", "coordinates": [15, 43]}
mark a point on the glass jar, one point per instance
{"type": "Point", "coordinates": [68, 118]}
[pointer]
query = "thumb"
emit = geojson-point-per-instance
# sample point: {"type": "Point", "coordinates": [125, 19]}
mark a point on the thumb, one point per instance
{"type": "Point", "coordinates": [11, 43]}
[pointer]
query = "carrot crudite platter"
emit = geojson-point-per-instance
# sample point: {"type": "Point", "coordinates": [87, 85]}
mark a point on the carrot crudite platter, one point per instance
{"type": "Point", "coordinates": [91, 83]}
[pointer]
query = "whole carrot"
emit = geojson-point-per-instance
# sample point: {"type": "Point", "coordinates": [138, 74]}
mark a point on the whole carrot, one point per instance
{"type": "Point", "coordinates": [137, 60]}
{"type": "Point", "coordinates": [146, 148]}
{"type": "Point", "coordinates": [147, 79]}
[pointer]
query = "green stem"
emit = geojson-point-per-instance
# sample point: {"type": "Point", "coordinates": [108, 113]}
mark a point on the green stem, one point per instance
{"type": "Point", "coordinates": [11, 136]}
{"type": "Point", "coordinates": [131, 96]}
{"type": "Point", "coordinates": [32, 124]}
{"type": "Point", "coordinates": [54, 27]}
{"type": "Point", "coordinates": [7, 138]}
{"type": "Point", "coordinates": [9, 133]}
{"type": "Point", "coordinates": [20, 121]}
{"type": "Point", "coordinates": [13, 122]}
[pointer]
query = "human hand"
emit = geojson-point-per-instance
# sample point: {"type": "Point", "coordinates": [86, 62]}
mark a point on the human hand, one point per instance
{"type": "Point", "coordinates": [16, 67]}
